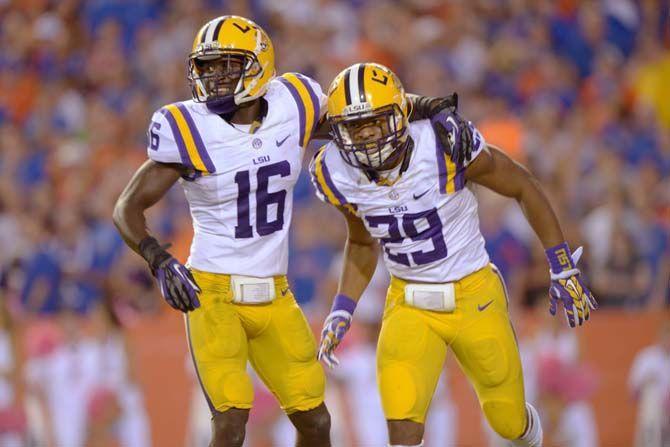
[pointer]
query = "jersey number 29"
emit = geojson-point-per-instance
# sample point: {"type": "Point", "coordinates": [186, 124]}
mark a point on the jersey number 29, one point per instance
{"type": "Point", "coordinates": [263, 200]}
{"type": "Point", "coordinates": [408, 222]}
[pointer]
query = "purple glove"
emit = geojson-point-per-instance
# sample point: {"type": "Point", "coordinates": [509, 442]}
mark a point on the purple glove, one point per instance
{"type": "Point", "coordinates": [336, 325]}
{"type": "Point", "coordinates": [567, 285]}
{"type": "Point", "coordinates": [175, 281]}
{"type": "Point", "coordinates": [454, 135]}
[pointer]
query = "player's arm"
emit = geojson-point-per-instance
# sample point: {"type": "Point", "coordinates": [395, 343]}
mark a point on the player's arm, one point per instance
{"type": "Point", "coordinates": [460, 145]}
{"type": "Point", "coordinates": [498, 172]}
{"type": "Point", "coordinates": [358, 266]}
{"type": "Point", "coordinates": [360, 258]}
{"type": "Point", "coordinates": [147, 186]}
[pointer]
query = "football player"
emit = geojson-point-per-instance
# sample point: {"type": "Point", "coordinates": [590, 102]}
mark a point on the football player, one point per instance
{"type": "Point", "coordinates": [237, 150]}
{"type": "Point", "coordinates": [395, 183]}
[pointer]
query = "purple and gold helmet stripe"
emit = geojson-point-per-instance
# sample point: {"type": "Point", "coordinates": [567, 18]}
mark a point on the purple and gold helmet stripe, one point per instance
{"type": "Point", "coordinates": [354, 84]}
{"type": "Point", "coordinates": [195, 364]}
{"type": "Point", "coordinates": [347, 86]}
{"type": "Point", "coordinates": [326, 185]}
{"type": "Point", "coordinates": [307, 102]}
{"type": "Point", "coordinates": [361, 83]}
{"type": "Point", "coordinates": [217, 30]}
{"type": "Point", "coordinates": [188, 137]}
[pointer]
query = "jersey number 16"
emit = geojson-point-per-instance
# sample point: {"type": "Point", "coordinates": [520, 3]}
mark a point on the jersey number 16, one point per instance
{"type": "Point", "coordinates": [263, 200]}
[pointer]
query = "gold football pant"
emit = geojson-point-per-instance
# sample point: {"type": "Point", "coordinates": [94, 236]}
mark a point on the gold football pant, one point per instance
{"type": "Point", "coordinates": [413, 345]}
{"type": "Point", "coordinates": [275, 337]}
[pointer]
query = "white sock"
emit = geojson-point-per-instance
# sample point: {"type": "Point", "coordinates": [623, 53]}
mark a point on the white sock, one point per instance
{"type": "Point", "coordinates": [533, 435]}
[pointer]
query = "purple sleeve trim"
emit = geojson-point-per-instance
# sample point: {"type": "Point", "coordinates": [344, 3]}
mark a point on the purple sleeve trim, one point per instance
{"type": "Point", "coordinates": [343, 302]}
{"type": "Point", "coordinates": [559, 258]}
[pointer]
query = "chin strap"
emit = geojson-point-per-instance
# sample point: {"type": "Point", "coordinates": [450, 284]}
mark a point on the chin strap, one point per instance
{"type": "Point", "coordinates": [223, 106]}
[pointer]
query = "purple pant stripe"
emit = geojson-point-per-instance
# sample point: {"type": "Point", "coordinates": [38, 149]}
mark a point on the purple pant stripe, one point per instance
{"type": "Point", "coordinates": [195, 365]}
{"type": "Point", "coordinates": [301, 106]}
{"type": "Point", "coordinates": [199, 145]}
{"type": "Point", "coordinates": [183, 153]}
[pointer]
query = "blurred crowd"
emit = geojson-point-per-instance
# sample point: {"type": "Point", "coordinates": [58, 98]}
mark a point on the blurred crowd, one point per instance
{"type": "Point", "coordinates": [576, 90]}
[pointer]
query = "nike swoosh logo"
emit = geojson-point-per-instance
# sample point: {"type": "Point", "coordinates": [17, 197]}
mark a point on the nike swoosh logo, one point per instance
{"type": "Point", "coordinates": [418, 196]}
{"type": "Point", "coordinates": [280, 142]}
{"type": "Point", "coordinates": [481, 308]}
{"type": "Point", "coordinates": [284, 291]}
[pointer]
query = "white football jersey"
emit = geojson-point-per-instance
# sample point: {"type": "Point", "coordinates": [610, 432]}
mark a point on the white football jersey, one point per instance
{"type": "Point", "coordinates": [240, 187]}
{"type": "Point", "coordinates": [426, 221]}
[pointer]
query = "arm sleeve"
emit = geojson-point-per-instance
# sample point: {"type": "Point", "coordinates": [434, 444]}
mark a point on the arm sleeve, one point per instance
{"type": "Point", "coordinates": [423, 105]}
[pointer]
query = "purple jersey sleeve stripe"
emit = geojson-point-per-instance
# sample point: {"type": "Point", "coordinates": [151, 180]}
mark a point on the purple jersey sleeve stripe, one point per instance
{"type": "Point", "coordinates": [315, 100]}
{"type": "Point", "coordinates": [312, 172]}
{"type": "Point", "coordinates": [195, 365]}
{"type": "Point", "coordinates": [441, 168]}
{"type": "Point", "coordinates": [301, 106]}
{"type": "Point", "coordinates": [199, 145]}
{"type": "Point", "coordinates": [459, 181]}
{"type": "Point", "coordinates": [331, 185]}
{"type": "Point", "coordinates": [183, 153]}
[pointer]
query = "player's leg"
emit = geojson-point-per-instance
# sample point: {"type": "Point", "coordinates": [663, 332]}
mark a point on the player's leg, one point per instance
{"type": "Point", "coordinates": [313, 426]}
{"type": "Point", "coordinates": [487, 350]}
{"type": "Point", "coordinates": [218, 346]}
{"type": "Point", "coordinates": [410, 357]}
{"type": "Point", "coordinates": [283, 353]}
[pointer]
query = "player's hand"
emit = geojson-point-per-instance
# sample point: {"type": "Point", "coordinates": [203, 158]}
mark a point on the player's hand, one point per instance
{"type": "Point", "coordinates": [454, 134]}
{"type": "Point", "coordinates": [568, 287]}
{"type": "Point", "coordinates": [175, 281]}
{"type": "Point", "coordinates": [335, 327]}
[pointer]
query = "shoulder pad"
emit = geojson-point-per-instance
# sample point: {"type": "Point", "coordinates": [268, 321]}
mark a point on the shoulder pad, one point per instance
{"type": "Point", "coordinates": [310, 102]}
{"type": "Point", "coordinates": [175, 138]}
{"type": "Point", "coordinates": [327, 189]}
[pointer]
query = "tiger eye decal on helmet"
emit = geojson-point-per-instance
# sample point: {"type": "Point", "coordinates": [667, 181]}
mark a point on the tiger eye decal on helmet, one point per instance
{"type": "Point", "coordinates": [231, 62]}
{"type": "Point", "coordinates": [367, 111]}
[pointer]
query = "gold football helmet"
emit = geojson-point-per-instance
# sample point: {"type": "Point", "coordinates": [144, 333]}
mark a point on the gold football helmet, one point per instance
{"type": "Point", "coordinates": [367, 111]}
{"type": "Point", "coordinates": [232, 62]}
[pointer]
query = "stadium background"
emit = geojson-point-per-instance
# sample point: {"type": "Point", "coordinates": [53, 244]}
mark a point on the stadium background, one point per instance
{"type": "Point", "coordinates": [577, 90]}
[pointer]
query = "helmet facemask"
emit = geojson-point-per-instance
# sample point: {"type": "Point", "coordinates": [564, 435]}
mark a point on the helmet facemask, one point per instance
{"type": "Point", "coordinates": [372, 140]}
{"type": "Point", "coordinates": [218, 77]}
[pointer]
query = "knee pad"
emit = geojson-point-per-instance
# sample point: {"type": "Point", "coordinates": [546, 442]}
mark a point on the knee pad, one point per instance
{"type": "Point", "coordinates": [314, 380]}
{"type": "Point", "coordinates": [489, 362]}
{"type": "Point", "coordinates": [507, 418]}
{"type": "Point", "coordinates": [398, 391]}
